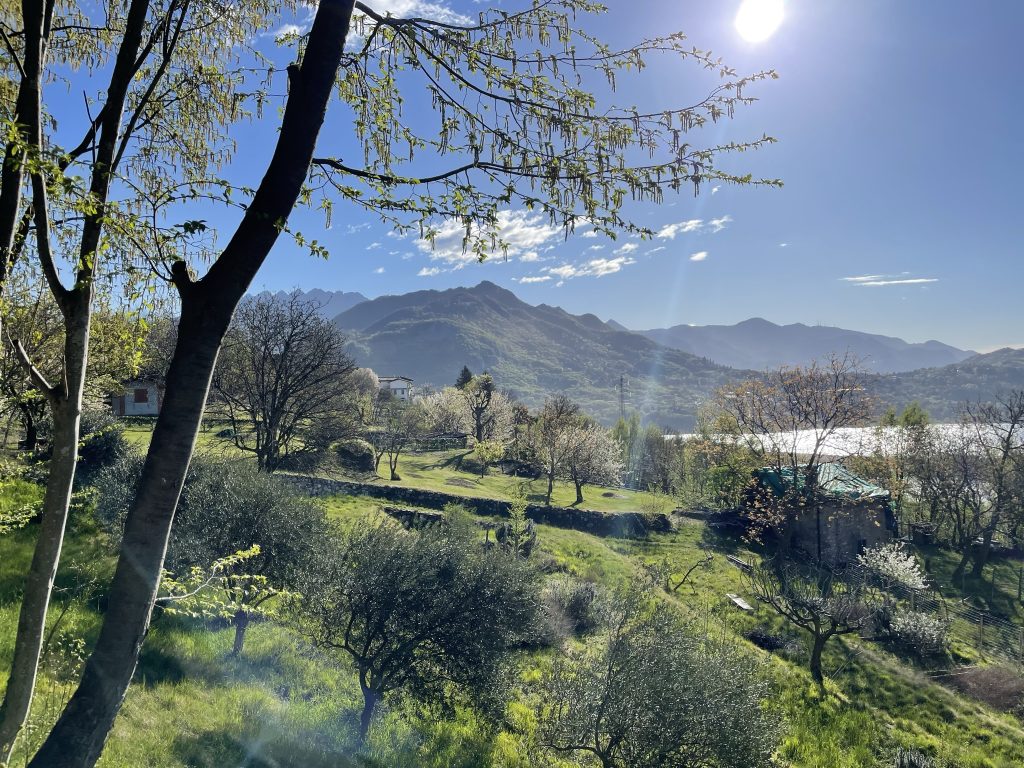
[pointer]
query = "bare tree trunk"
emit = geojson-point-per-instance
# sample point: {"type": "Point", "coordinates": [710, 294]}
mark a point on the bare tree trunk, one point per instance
{"type": "Point", "coordinates": [551, 483]}
{"type": "Point", "coordinates": [816, 649]}
{"type": "Point", "coordinates": [67, 411]}
{"type": "Point", "coordinates": [77, 739]}
{"type": "Point", "coordinates": [579, 491]}
{"type": "Point", "coordinates": [961, 567]}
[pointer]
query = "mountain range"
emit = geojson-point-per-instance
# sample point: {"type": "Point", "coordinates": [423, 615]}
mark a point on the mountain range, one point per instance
{"type": "Point", "coordinates": [760, 345]}
{"type": "Point", "coordinates": [534, 351]}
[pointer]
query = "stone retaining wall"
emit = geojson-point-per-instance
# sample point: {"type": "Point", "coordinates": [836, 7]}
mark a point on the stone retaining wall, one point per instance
{"type": "Point", "coordinates": [623, 524]}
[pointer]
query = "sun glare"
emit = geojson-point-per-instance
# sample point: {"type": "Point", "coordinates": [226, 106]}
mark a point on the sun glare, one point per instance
{"type": "Point", "coordinates": [757, 20]}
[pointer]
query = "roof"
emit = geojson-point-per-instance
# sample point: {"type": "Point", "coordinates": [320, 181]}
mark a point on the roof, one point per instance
{"type": "Point", "coordinates": [389, 379]}
{"type": "Point", "coordinates": [834, 480]}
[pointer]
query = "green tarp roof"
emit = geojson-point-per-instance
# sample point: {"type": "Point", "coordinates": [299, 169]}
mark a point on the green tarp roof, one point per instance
{"type": "Point", "coordinates": [834, 480]}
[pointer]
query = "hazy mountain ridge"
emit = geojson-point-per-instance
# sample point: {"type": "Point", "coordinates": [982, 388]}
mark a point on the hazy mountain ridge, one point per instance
{"type": "Point", "coordinates": [534, 351]}
{"type": "Point", "coordinates": [330, 304]}
{"type": "Point", "coordinates": [759, 345]}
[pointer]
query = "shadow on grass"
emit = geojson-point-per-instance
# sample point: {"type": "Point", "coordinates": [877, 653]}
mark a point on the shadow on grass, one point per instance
{"type": "Point", "coordinates": [214, 749]}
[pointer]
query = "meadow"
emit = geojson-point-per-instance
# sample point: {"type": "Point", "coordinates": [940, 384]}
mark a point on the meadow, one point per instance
{"type": "Point", "coordinates": [283, 703]}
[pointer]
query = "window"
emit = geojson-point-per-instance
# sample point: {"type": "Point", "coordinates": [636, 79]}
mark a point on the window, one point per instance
{"type": "Point", "coordinates": [141, 395]}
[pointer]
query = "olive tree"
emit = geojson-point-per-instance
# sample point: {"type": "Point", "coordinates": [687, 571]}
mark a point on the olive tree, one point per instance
{"type": "Point", "coordinates": [228, 507]}
{"type": "Point", "coordinates": [652, 692]}
{"type": "Point", "coordinates": [421, 612]}
{"type": "Point", "coordinates": [534, 137]}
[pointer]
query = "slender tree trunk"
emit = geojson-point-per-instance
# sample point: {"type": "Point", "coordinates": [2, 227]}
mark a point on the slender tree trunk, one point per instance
{"type": "Point", "coordinates": [28, 644]}
{"type": "Point", "coordinates": [551, 483]}
{"type": "Point", "coordinates": [579, 491]}
{"type": "Point", "coordinates": [31, 430]}
{"type": "Point", "coordinates": [393, 464]}
{"type": "Point", "coordinates": [816, 649]}
{"type": "Point", "coordinates": [241, 622]}
{"type": "Point", "coordinates": [370, 700]}
{"type": "Point", "coordinates": [77, 739]}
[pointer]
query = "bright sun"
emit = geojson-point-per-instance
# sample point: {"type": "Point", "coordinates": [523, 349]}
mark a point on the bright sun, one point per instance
{"type": "Point", "coordinates": [757, 20]}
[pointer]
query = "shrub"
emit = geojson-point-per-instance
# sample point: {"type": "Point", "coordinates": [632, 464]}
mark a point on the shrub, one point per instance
{"type": "Point", "coordinates": [911, 758]}
{"type": "Point", "coordinates": [356, 455]}
{"type": "Point", "coordinates": [102, 444]}
{"type": "Point", "coordinates": [921, 632]}
{"type": "Point", "coordinates": [571, 608]}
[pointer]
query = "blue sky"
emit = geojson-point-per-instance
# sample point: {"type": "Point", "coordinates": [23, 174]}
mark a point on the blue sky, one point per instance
{"type": "Point", "coordinates": [900, 127]}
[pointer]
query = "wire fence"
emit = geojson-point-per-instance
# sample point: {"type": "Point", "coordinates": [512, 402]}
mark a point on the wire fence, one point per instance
{"type": "Point", "coordinates": [988, 634]}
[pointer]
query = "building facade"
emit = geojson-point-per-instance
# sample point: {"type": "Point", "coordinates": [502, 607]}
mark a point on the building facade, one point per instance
{"type": "Point", "coordinates": [140, 398]}
{"type": "Point", "coordinates": [399, 386]}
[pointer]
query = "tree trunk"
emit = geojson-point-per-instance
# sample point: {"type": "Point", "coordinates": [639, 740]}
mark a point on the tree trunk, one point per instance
{"type": "Point", "coordinates": [31, 430]}
{"type": "Point", "coordinates": [981, 555]}
{"type": "Point", "coordinates": [958, 572]}
{"type": "Point", "coordinates": [77, 739]}
{"type": "Point", "coordinates": [370, 699]}
{"type": "Point", "coordinates": [241, 622]}
{"type": "Point", "coordinates": [551, 484]}
{"type": "Point", "coordinates": [579, 491]}
{"type": "Point", "coordinates": [816, 648]}
{"type": "Point", "coordinates": [28, 644]}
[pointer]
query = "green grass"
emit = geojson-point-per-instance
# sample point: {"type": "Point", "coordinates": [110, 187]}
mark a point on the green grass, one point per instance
{"type": "Point", "coordinates": [440, 472]}
{"type": "Point", "coordinates": [139, 432]}
{"type": "Point", "coordinates": [284, 704]}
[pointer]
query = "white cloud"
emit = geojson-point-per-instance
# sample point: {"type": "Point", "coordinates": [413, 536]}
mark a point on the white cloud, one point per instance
{"type": "Point", "coordinates": [863, 278]}
{"type": "Point", "coordinates": [373, 246]}
{"type": "Point", "coordinates": [592, 268]}
{"type": "Point", "coordinates": [351, 229]}
{"type": "Point", "coordinates": [877, 281]}
{"type": "Point", "coordinates": [379, 271]}
{"type": "Point", "coordinates": [428, 272]}
{"type": "Point", "coordinates": [406, 8]}
{"type": "Point", "coordinates": [908, 281]}
{"type": "Point", "coordinates": [699, 256]}
{"type": "Point", "coordinates": [627, 248]}
{"type": "Point", "coordinates": [596, 248]}
{"type": "Point", "coordinates": [714, 190]}
{"type": "Point", "coordinates": [521, 231]}
{"type": "Point", "coordinates": [530, 256]}
{"type": "Point", "coordinates": [290, 29]}
{"type": "Point", "coordinates": [653, 251]}
{"type": "Point", "coordinates": [589, 233]}
{"type": "Point", "coordinates": [717, 225]}
{"type": "Point", "coordinates": [783, 245]}
{"type": "Point", "coordinates": [669, 231]}
{"type": "Point", "coordinates": [534, 279]}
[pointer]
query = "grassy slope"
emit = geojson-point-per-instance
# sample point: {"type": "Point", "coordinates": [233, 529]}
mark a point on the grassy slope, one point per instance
{"type": "Point", "coordinates": [282, 705]}
{"type": "Point", "coordinates": [438, 472]}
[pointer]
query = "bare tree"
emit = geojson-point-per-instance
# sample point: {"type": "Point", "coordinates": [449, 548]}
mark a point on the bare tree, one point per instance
{"type": "Point", "coordinates": [815, 601]}
{"type": "Point", "coordinates": [283, 372]}
{"type": "Point", "coordinates": [997, 431]}
{"type": "Point", "coordinates": [478, 394]}
{"type": "Point", "coordinates": [787, 419]}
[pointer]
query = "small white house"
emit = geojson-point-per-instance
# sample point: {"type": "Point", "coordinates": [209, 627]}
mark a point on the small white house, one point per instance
{"type": "Point", "coordinates": [140, 398]}
{"type": "Point", "coordinates": [399, 386]}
